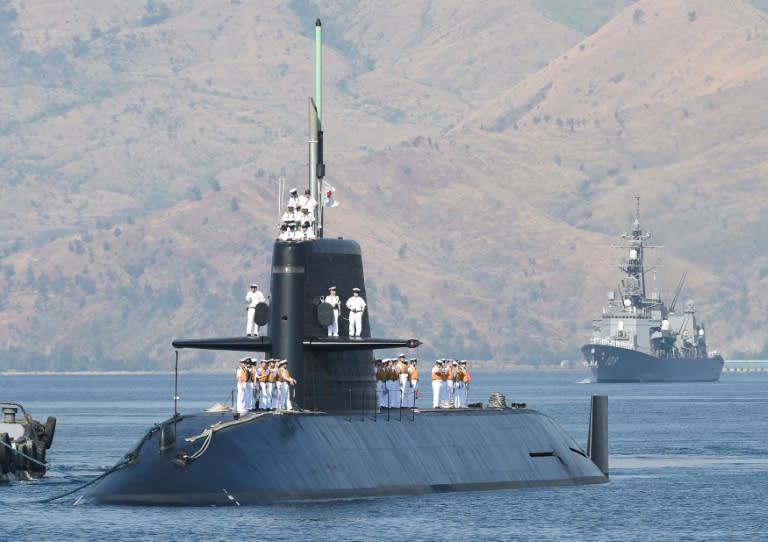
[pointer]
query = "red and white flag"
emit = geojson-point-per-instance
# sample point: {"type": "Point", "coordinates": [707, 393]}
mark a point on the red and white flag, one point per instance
{"type": "Point", "coordinates": [328, 198]}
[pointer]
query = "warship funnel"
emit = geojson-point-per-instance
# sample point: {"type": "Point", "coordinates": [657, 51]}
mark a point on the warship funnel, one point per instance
{"type": "Point", "coordinates": [337, 441]}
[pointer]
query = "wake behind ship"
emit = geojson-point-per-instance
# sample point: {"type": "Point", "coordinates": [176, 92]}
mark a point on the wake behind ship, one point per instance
{"type": "Point", "coordinates": [337, 441]}
{"type": "Point", "coordinates": [638, 338]}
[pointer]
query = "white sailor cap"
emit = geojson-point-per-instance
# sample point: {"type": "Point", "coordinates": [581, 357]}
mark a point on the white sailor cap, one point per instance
{"type": "Point", "coordinates": [413, 360]}
{"type": "Point", "coordinates": [332, 288]}
{"type": "Point", "coordinates": [254, 285]}
{"type": "Point", "coordinates": [243, 360]}
{"type": "Point", "coordinates": [282, 362]}
{"type": "Point", "coordinates": [454, 362]}
{"type": "Point", "coordinates": [294, 191]}
{"type": "Point", "coordinates": [401, 355]}
{"type": "Point", "coordinates": [356, 290]}
{"type": "Point", "coordinates": [463, 362]}
{"type": "Point", "coordinates": [439, 361]}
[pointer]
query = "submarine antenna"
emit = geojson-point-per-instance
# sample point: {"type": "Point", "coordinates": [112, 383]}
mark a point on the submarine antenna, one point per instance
{"type": "Point", "coordinates": [176, 387]}
{"type": "Point", "coordinates": [316, 164]}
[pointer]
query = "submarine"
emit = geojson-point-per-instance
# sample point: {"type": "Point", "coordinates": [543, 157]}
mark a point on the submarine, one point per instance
{"type": "Point", "coordinates": [336, 441]}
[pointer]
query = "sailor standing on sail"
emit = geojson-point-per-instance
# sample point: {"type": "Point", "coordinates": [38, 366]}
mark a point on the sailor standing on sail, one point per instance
{"type": "Point", "coordinates": [253, 298]}
{"type": "Point", "coordinates": [356, 306]}
{"type": "Point", "coordinates": [333, 300]}
{"type": "Point", "coordinates": [307, 201]}
{"type": "Point", "coordinates": [293, 199]}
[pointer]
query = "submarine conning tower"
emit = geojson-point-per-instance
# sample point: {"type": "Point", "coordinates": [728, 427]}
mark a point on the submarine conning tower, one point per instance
{"type": "Point", "coordinates": [333, 373]}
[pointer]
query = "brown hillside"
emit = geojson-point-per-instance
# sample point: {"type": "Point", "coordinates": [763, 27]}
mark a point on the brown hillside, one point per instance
{"type": "Point", "coordinates": [484, 157]}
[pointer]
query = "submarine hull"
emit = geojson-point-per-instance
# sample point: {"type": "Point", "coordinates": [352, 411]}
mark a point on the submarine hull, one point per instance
{"type": "Point", "coordinates": [268, 457]}
{"type": "Point", "coordinates": [614, 364]}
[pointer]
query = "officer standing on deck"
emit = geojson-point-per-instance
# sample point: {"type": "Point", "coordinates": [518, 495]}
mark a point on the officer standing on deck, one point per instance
{"type": "Point", "coordinates": [356, 306]}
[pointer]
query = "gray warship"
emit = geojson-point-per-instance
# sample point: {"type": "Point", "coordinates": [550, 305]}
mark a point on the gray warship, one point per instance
{"type": "Point", "coordinates": [337, 442]}
{"type": "Point", "coordinates": [638, 338]}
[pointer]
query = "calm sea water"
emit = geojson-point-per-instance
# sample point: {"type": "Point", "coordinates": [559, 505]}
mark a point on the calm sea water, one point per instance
{"type": "Point", "coordinates": [688, 462]}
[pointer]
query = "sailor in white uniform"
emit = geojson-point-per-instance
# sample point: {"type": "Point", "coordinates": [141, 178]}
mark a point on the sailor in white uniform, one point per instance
{"type": "Point", "coordinates": [394, 396]}
{"type": "Point", "coordinates": [293, 199]}
{"type": "Point", "coordinates": [305, 216]}
{"type": "Point", "coordinates": [412, 385]}
{"type": "Point", "coordinates": [270, 386]}
{"type": "Point", "coordinates": [240, 378]}
{"type": "Point", "coordinates": [356, 306]}
{"type": "Point", "coordinates": [308, 202]}
{"type": "Point", "coordinates": [437, 382]}
{"type": "Point", "coordinates": [333, 300]}
{"type": "Point", "coordinates": [293, 232]}
{"type": "Point", "coordinates": [261, 380]}
{"type": "Point", "coordinates": [250, 400]}
{"type": "Point", "coordinates": [290, 215]}
{"type": "Point", "coordinates": [252, 298]}
{"type": "Point", "coordinates": [306, 233]}
{"type": "Point", "coordinates": [402, 365]}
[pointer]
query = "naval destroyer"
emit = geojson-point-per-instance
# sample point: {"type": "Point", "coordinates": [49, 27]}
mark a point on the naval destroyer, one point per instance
{"type": "Point", "coordinates": [336, 442]}
{"type": "Point", "coordinates": [638, 338]}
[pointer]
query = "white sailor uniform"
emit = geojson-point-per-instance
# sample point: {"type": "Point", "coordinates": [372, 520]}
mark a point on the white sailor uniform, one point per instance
{"type": "Point", "coordinates": [252, 299]}
{"type": "Point", "coordinates": [356, 306]}
{"type": "Point", "coordinates": [335, 303]}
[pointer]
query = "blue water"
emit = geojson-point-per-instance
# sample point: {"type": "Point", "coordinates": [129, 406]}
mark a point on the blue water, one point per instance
{"type": "Point", "coordinates": [688, 462]}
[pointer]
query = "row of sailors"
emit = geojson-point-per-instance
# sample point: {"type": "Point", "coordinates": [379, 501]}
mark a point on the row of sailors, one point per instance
{"type": "Point", "coordinates": [298, 215]}
{"type": "Point", "coordinates": [293, 231]}
{"type": "Point", "coordinates": [397, 383]}
{"type": "Point", "coordinates": [450, 383]}
{"type": "Point", "coordinates": [263, 385]}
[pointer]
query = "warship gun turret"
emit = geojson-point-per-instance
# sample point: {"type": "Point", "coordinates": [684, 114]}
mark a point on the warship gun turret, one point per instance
{"type": "Point", "coordinates": [638, 338]}
{"type": "Point", "coordinates": [336, 441]}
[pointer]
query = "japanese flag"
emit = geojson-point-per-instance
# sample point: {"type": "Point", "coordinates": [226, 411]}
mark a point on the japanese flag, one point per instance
{"type": "Point", "coordinates": [328, 198]}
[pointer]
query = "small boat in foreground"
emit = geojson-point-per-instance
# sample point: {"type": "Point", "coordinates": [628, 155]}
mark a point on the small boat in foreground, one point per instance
{"type": "Point", "coordinates": [23, 443]}
{"type": "Point", "coordinates": [638, 338]}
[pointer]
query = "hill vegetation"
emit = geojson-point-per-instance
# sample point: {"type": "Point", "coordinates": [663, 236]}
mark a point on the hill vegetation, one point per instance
{"type": "Point", "coordinates": [486, 156]}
